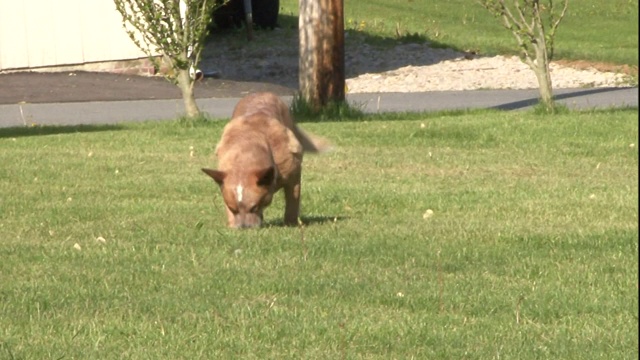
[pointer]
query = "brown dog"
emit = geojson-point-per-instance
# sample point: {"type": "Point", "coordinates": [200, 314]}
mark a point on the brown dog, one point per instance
{"type": "Point", "coordinates": [259, 153]}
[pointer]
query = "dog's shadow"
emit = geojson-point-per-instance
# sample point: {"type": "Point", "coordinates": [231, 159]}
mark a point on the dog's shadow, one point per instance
{"type": "Point", "coordinates": [307, 220]}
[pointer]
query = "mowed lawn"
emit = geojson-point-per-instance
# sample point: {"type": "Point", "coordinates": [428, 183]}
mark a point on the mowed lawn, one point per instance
{"type": "Point", "coordinates": [482, 235]}
{"type": "Point", "coordinates": [592, 30]}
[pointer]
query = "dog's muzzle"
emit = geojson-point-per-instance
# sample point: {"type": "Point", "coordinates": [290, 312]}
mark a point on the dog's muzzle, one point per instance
{"type": "Point", "coordinates": [247, 221]}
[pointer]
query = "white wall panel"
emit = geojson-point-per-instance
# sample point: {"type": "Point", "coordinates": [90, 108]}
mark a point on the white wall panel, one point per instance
{"type": "Point", "coordinates": [104, 36]}
{"type": "Point", "coordinates": [13, 33]}
{"type": "Point", "coordinates": [37, 33]}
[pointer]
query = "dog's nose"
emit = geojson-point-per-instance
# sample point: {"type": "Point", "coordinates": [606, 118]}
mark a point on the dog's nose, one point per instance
{"type": "Point", "coordinates": [247, 226]}
{"type": "Point", "coordinates": [245, 221]}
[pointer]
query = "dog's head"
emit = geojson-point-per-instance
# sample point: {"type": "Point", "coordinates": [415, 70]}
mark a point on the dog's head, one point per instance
{"type": "Point", "coordinates": [245, 194]}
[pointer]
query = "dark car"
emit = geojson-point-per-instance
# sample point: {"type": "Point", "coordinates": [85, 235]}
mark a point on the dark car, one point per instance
{"type": "Point", "coordinates": [264, 13]}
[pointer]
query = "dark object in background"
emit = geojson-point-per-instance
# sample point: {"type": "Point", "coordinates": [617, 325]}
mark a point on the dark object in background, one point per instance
{"type": "Point", "coordinates": [264, 12]}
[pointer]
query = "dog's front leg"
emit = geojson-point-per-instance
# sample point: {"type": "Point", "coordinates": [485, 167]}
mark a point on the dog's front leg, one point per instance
{"type": "Point", "coordinates": [231, 218]}
{"type": "Point", "coordinates": [292, 203]}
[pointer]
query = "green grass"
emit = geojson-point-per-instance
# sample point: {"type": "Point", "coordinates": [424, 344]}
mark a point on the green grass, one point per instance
{"type": "Point", "coordinates": [302, 110]}
{"type": "Point", "coordinates": [531, 251]}
{"type": "Point", "coordinates": [593, 30]}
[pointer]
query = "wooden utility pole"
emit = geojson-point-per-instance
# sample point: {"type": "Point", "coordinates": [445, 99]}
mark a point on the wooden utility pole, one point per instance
{"type": "Point", "coordinates": [321, 64]}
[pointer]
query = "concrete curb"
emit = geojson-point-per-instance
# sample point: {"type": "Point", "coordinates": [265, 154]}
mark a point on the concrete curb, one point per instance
{"type": "Point", "coordinates": [112, 112]}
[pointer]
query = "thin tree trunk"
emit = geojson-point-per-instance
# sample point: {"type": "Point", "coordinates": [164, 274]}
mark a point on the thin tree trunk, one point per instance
{"type": "Point", "coordinates": [541, 69]}
{"type": "Point", "coordinates": [185, 83]}
{"type": "Point", "coordinates": [321, 62]}
{"type": "Point", "coordinates": [545, 86]}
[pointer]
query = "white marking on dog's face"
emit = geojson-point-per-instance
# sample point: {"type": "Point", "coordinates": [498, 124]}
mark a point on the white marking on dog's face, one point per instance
{"type": "Point", "coordinates": [239, 191]}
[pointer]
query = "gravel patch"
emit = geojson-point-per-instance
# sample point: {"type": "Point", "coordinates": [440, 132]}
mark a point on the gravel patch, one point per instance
{"type": "Point", "coordinates": [402, 68]}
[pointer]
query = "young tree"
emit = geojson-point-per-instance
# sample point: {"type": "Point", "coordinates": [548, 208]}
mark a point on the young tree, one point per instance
{"type": "Point", "coordinates": [534, 26]}
{"type": "Point", "coordinates": [175, 29]}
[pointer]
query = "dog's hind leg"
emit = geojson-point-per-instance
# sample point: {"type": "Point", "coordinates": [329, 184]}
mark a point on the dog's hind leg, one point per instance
{"type": "Point", "coordinates": [292, 202]}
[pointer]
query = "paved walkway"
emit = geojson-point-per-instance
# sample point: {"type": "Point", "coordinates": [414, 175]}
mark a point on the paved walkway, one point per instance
{"type": "Point", "coordinates": [110, 112]}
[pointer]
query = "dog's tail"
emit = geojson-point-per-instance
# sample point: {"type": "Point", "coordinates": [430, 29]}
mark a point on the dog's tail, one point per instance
{"type": "Point", "coordinates": [312, 143]}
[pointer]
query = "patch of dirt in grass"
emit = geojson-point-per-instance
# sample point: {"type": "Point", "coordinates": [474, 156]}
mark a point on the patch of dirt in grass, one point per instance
{"type": "Point", "coordinates": [599, 66]}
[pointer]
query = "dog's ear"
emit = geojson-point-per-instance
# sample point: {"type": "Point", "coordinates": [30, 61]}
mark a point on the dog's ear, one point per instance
{"type": "Point", "coordinates": [217, 175]}
{"type": "Point", "coordinates": [266, 176]}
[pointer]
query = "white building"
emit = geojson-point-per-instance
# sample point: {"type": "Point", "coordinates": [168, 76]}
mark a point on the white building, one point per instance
{"type": "Point", "coordinates": [59, 34]}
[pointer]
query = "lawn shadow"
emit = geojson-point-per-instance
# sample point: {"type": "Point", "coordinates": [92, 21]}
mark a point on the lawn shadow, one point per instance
{"type": "Point", "coordinates": [308, 220]}
{"type": "Point", "coordinates": [318, 220]}
{"type": "Point", "coordinates": [39, 130]}
{"type": "Point", "coordinates": [272, 57]}
{"type": "Point", "coordinates": [567, 95]}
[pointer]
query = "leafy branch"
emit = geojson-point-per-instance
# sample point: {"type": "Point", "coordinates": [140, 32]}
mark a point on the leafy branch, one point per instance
{"type": "Point", "coordinates": [175, 29]}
